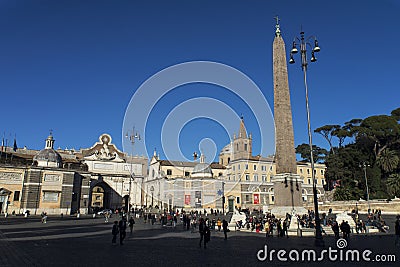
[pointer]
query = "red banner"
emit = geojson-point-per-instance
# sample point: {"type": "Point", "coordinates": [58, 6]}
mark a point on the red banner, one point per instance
{"type": "Point", "coordinates": [187, 199]}
{"type": "Point", "coordinates": [256, 198]}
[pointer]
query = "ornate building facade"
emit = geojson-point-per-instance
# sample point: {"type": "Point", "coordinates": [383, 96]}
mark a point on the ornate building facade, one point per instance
{"type": "Point", "coordinates": [248, 178]}
{"type": "Point", "coordinates": [243, 179]}
{"type": "Point", "coordinates": [67, 181]}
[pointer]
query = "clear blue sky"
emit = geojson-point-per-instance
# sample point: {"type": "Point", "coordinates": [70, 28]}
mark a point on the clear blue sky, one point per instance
{"type": "Point", "coordinates": [73, 66]}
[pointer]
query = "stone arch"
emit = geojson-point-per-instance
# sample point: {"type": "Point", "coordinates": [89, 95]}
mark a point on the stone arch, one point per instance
{"type": "Point", "coordinates": [100, 196]}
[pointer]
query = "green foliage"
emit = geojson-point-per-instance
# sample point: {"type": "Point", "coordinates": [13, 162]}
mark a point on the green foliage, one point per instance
{"type": "Point", "coordinates": [319, 154]}
{"type": "Point", "coordinates": [393, 184]}
{"type": "Point", "coordinates": [396, 114]}
{"type": "Point", "coordinates": [376, 141]}
{"type": "Point", "coordinates": [344, 193]}
{"type": "Point", "coordinates": [327, 132]}
{"type": "Point", "coordinates": [387, 160]}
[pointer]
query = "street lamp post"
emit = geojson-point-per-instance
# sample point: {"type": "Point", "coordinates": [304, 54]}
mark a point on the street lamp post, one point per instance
{"type": "Point", "coordinates": [364, 165]}
{"type": "Point", "coordinates": [303, 51]}
{"type": "Point", "coordinates": [131, 135]}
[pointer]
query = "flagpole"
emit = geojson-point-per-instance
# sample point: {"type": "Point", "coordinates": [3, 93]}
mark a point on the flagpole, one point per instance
{"type": "Point", "coordinates": [6, 150]}
{"type": "Point", "coordinates": [2, 146]}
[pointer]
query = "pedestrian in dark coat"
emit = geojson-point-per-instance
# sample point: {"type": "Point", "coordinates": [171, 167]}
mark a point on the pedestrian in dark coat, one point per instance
{"type": "Point", "coordinates": [207, 235]}
{"type": "Point", "coordinates": [122, 230]}
{"type": "Point", "coordinates": [397, 231]}
{"type": "Point", "coordinates": [225, 228]}
{"type": "Point", "coordinates": [202, 231]}
{"type": "Point", "coordinates": [114, 232]}
{"type": "Point", "coordinates": [335, 229]}
{"type": "Point", "coordinates": [131, 223]}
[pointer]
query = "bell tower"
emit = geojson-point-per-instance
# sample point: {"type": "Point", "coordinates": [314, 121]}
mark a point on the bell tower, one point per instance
{"type": "Point", "coordinates": [242, 144]}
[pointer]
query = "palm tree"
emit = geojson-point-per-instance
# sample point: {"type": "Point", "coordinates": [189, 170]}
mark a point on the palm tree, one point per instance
{"type": "Point", "coordinates": [387, 160]}
{"type": "Point", "coordinates": [393, 184]}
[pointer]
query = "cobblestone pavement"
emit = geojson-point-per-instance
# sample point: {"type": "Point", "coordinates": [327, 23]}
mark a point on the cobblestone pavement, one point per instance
{"type": "Point", "coordinates": [87, 242]}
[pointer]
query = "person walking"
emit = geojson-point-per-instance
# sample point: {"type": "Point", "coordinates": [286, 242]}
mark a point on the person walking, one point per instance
{"type": "Point", "coordinates": [225, 228]}
{"type": "Point", "coordinates": [397, 231]}
{"type": "Point", "coordinates": [219, 224]}
{"type": "Point", "coordinates": [122, 230]}
{"type": "Point", "coordinates": [107, 215]}
{"type": "Point", "coordinates": [202, 229]}
{"type": "Point", "coordinates": [131, 223]}
{"type": "Point", "coordinates": [114, 232]}
{"type": "Point", "coordinates": [207, 235]}
{"type": "Point", "coordinates": [335, 229]}
{"type": "Point", "coordinates": [266, 228]}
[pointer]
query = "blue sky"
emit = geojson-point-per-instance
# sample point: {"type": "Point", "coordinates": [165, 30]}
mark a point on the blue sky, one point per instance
{"type": "Point", "coordinates": [73, 66]}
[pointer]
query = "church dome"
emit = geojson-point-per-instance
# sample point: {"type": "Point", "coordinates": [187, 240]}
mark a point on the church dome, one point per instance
{"type": "Point", "coordinates": [48, 157]}
{"type": "Point", "coordinates": [48, 154]}
{"type": "Point", "coordinates": [202, 169]}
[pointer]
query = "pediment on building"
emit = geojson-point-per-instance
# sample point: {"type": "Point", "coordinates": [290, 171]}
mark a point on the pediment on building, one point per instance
{"type": "Point", "coordinates": [104, 150]}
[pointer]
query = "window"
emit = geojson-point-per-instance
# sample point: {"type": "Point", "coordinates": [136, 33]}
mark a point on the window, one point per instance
{"type": "Point", "coordinates": [322, 181]}
{"type": "Point", "coordinates": [264, 178]}
{"type": "Point", "coordinates": [247, 177]}
{"type": "Point", "coordinates": [322, 172]}
{"type": "Point", "coordinates": [187, 174]}
{"type": "Point", "coordinates": [309, 181]}
{"type": "Point", "coordinates": [234, 177]}
{"type": "Point", "coordinates": [229, 177]}
{"type": "Point", "coordinates": [263, 168]}
{"type": "Point", "coordinates": [169, 172]}
{"type": "Point", "coordinates": [238, 200]}
{"type": "Point", "coordinates": [273, 198]}
{"type": "Point", "coordinates": [152, 173]}
{"type": "Point", "coordinates": [233, 167]}
{"type": "Point", "coordinates": [238, 166]}
{"type": "Point", "coordinates": [247, 166]}
{"type": "Point", "coordinates": [229, 160]}
{"type": "Point", "coordinates": [256, 177]}
{"type": "Point", "coordinates": [270, 168]}
{"type": "Point", "coordinates": [247, 198]}
{"type": "Point", "coordinates": [301, 170]}
{"type": "Point", "coordinates": [16, 195]}
{"type": "Point", "coordinates": [220, 174]}
{"type": "Point", "coordinates": [245, 147]}
{"type": "Point", "coordinates": [308, 171]}
{"type": "Point", "coordinates": [255, 167]}
{"type": "Point", "coordinates": [50, 196]}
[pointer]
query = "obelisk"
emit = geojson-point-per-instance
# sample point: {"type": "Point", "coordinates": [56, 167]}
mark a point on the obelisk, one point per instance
{"type": "Point", "coordinates": [287, 183]}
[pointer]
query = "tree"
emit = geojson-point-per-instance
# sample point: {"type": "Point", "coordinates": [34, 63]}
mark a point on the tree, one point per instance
{"type": "Point", "coordinates": [342, 193]}
{"type": "Point", "coordinates": [387, 160]}
{"type": "Point", "coordinates": [396, 114]}
{"type": "Point", "coordinates": [342, 133]}
{"type": "Point", "coordinates": [319, 154]}
{"type": "Point", "coordinates": [327, 132]}
{"type": "Point", "coordinates": [393, 184]}
{"type": "Point", "coordinates": [382, 129]}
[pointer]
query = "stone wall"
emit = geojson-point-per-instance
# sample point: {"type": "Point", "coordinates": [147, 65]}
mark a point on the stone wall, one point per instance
{"type": "Point", "coordinates": [388, 207]}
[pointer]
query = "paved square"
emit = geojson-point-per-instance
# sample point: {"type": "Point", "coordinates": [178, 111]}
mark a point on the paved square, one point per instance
{"type": "Point", "coordinates": [87, 242]}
